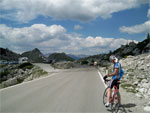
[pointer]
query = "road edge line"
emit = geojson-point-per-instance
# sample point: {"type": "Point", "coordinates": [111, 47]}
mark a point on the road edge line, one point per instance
{"type": "Point", "coordinates": [100, 75]}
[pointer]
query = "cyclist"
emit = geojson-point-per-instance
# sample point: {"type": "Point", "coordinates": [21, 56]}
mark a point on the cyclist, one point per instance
{"type": "Point", "coordinates": [116, 75]}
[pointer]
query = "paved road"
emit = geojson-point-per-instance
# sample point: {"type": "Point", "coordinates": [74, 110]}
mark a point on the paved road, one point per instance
{"type": "Point", "coordinates": [75, 90]}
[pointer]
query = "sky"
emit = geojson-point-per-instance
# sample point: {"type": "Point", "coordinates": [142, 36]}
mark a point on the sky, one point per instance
{"type": "Point", "coordinates": [86, 27]}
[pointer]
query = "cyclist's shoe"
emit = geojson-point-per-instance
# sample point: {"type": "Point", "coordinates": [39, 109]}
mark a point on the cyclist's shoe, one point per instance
{"type": "Point", "coordinates": [107, 104]}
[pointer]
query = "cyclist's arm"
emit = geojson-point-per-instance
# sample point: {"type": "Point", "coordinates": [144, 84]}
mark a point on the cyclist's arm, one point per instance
{"type": "Point", "coordinates": [116, 70]}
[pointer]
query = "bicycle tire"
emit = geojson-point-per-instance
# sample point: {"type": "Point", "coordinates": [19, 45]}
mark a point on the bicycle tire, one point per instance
{"type": "Point", "coordinates": [105, 96]}
{"type": "Point", "coordinates": [115, 105]}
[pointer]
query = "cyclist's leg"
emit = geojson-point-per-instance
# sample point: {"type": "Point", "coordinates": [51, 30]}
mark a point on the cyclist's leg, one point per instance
{"type": "Point", "coordinates": [118, 93]}
{"type": "Point", "coordinates": [109, 90]}
{"type": "Point", "coordinates": [108, 94]}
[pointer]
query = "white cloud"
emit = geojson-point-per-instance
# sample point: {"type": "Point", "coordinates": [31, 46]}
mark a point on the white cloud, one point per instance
{"type": "Point", "coordinates": [54, 38]}
{"type": "Point", "coordinates": [82, 10]}
{"type": "Point", "coordinates": [148, 13]}
{"type": "Point", "coordinates": [145, 27]}
{"type": "Point", "coordinates": [78, 27]}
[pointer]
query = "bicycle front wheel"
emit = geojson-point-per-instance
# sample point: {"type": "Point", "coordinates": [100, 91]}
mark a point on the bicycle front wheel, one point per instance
{"type": "Point", "coordinates": [115, 103]}
{"type": "Point", "coordinates": [105, 96]}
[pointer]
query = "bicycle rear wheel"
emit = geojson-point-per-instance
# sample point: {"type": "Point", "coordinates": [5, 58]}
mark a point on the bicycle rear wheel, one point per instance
{"type": "Point", "coordinates": [115, 105]}
{"type": "Point", "coordinates": [105, 96]}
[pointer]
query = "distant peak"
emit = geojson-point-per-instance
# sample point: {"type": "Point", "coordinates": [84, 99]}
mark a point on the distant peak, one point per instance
{"type": "Point", "coordinates": [36, 49]}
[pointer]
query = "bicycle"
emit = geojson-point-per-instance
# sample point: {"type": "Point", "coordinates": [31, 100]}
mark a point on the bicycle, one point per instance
{"type": "Point", "coordinates": [115, 100]}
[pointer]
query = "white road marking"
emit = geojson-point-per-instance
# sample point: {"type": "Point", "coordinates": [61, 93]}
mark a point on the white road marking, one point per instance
{"type": "Point", "coordinates": [102, 78]}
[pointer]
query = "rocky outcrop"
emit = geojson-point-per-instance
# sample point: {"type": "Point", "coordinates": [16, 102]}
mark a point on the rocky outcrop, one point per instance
{"type": "Point", "coordinates": [15, 74]}
{"type": "Point", "coordinates": [133, 48]}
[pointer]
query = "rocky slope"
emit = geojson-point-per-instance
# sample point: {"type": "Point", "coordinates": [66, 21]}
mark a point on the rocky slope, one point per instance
{"type": "Point", "coordinates": [133, 48]}
{"type": "Point", "coordinates": [6, 54]}
{"type": "Point", "coordinates": [15, 74]}
{"type": "Point", "coordinates": [129, 49]}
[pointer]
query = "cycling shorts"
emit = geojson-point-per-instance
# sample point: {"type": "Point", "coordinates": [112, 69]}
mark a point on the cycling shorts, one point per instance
{"type": "Point", "coordinates": [112, 83]}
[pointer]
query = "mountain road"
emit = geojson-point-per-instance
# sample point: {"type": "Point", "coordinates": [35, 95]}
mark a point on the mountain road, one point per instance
{"type": "Point", "coordinates": [73, 90]}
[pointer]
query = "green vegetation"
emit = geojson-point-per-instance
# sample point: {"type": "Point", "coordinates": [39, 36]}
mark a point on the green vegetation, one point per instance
{"type": "Point", "coordinates": [39, 72]}
{"type": "Point", "coordinates": [3, 75]}
{"type": "Point", "coordinates": [125, 56]}
{"type": "Point", "coordinates": [129, 87]}
{"type": "Point", "coordinates": [84, 62]}
{"type": "Point", "coordinates": [25, 66]}
{"type": "Point", "coordinates": [3, 65]}
{"type": "Point", "coordinates": [130, 70]}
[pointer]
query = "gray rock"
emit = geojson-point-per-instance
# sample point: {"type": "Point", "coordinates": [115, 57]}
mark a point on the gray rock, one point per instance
{"type": "Point", "coordinates": [146, 85]}
{"type": "Point", "coordinates": [136, 83]}
{"type": "Point", "coordinates": [144, 81]}
{"type": "Point", "coordinates": [138, 95]}
{"type": "Point", "coordinates": [9, 82]}
{"type": "Point", "coordinates": [147, 108]}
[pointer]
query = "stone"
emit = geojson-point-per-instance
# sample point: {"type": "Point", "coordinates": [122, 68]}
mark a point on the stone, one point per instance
{"type": "Point", "coordinates": [142, 90]}
{"type": "Point", "coordinates": [138, 95]}
{"type": "Point", "coordinates": [146, 85]}
{"type": "Point", "coordinates": [144, 81]}
{"type": "Point", "coordinates": [136, 83]}
{"type": "Point", "coordinates": [147, 108]}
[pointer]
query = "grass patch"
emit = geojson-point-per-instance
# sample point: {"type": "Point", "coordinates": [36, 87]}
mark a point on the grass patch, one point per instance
{"type": "Point", "coordinates": [131, 75]}
{"type": "Point", "coordinates": [129, 87]}
{"type": "Point", "coordinates": [38, 72]}
{"type": "Point", "coordinates": [130, 70]}
{"type": "Point", "coordinates": [41, 72]}
{"type": "Point", "coordinates": [131, 90]}
{"type": "Point", "coordinates": [3, 65]}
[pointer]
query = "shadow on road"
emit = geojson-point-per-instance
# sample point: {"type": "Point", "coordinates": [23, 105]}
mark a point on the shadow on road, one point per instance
{"type": "Point", "coordinates": [124, 108]}
{"type": "Point", "coordinates": [130, 105]}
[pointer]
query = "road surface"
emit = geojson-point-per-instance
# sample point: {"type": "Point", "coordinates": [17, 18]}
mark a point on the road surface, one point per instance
{"type": "Point", "coordinates": [74, 90]}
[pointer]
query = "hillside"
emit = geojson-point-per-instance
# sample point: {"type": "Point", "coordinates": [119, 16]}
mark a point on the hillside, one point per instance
{"type": "Point", "coordinates": [60, 57]}
{"type": "Point", "coordinates": [122, 52]}
{"type": "Point", "coordinates": [133, 48]}
{"type": "Point", "coordinates": [6, 54]}
{"type": "Point", "coordinates": [34, 56]}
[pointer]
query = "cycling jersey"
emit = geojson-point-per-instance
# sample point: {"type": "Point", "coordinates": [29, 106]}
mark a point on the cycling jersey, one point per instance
{"type": "Point", "coordinates": [120, 72]}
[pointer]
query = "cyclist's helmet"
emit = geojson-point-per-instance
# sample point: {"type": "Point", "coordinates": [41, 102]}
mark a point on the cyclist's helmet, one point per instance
{"type": "Point", "coordinates": [113, 57]}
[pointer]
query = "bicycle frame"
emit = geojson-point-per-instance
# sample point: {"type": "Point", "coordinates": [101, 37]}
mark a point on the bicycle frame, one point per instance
{"type": "Point", "coordinates": [115, 91]}
{"type": "Point", "coordinates": [115, 99]}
